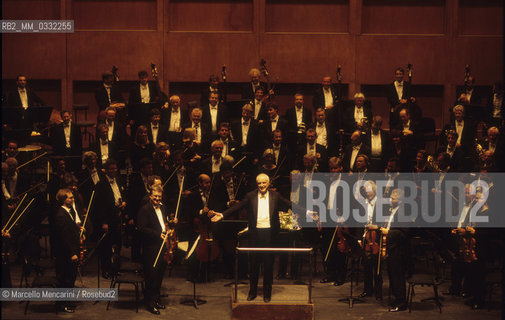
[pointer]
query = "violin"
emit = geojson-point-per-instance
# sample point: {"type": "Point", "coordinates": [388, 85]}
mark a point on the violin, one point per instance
{"type": "Point", "coordinates": [170, 244]}
{"type": "Point", "coordinates": [371, 241]}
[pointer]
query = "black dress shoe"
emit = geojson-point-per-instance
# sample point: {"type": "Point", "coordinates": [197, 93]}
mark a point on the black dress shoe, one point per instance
{"type": "Point", "coordinates": [326, 280]}
{"type": "Point", "coordinates": [365, 295]}
{"type": "Point", "coordinates": [67, 309]}
{"type": "Point", "coordinates": [338, 283]}
{"type": "Point", "coordinates": [465, 294]}
{"type": "Point", "coordinates": [251, 296]}
{"type": "Point", "coordinates": [106, 275]}
{"type": "Point", "coordinates": [153, 310]}
{"type": "Point", "coordinates": [378, 298]}
{"type": "Point", "coordinates": [267, 299]}
{"type": "Point", "coordinates": [281, 276]}
{"type": "Point", "coordinates": [397, 308]}
{"type": "Point", "coordinates": [476, 306]}
{"type": "Point", "coordinates": [159, 306]}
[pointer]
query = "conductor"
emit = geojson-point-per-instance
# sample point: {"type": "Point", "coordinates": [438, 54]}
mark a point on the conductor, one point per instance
{"type": "Point", "coordinates": [263, 208]}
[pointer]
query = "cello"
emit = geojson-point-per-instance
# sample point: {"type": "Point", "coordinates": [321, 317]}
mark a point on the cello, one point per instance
{"type": "Point", "coordinates": [207, 249]}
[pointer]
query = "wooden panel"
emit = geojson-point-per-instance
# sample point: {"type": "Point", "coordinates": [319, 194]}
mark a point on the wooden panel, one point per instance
{"type": "Point", "coordinates": [403, 17]}
{"type": "Point", "coordinates": [91, 53]}
{"type": "Point", "coordinates": [307, 58]}
{"type": "Point", "coordinates": [115, 14]}
{"type": "Point", "coordinates": [37, 55]}
{"type": "Point", "coordinates": [30, 9]}
{"type": "Point", "coordinates": [484, 55]}
{"type": "Point", "coordinates": [201, 15]}
{"type": "Point", "coordinates": [307, 16]}
{"type": "Point", "coordinates": [195, 56]}
{"type": "Point", "coordinates": [378, 56]}
{"type": "Point", "coordinates": [480, 17]}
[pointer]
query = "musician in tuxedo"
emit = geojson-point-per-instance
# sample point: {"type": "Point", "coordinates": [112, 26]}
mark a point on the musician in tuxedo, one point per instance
{"type": "Point", "coordinates": [316, 150]}
{"type": "Point", "coordinates": [380, 145]}
{"type": "Point", "coordinates": [13, 182]}
{"type": "Point", "coordinates": [248, 90]}
{"type": "Point", "coordinates": [214, 86]}
{"type": "Point", "coordinates": [24, 98]}
{"type": "Point", "coordinates": [325, 131]}
{"type": "Point", "coordinates": [396, 251]}
{"type": "Point", "coordinates": [409, 129]}
{"type": "Point", "coordinates": [357, 116]}
{"type": "Point", "coordinates": [214, 113]}
{"type": "Point", "coordinates": [89, 176]}
{"type": "Point", "coordinates": [263, 208]}
{"type": "Point", "coordinates": [104, 149]}
{"type": "Point", "coordinates": [465, 128]}
{"type": "Point", "coordinates": [245, 131]}
{"type": "Point", "coordinates": [274, 122]}
{"type": "Point", "coordinates": [280, 150]}
{"type": "Point", "coordinates": [66, 141]}
{"type": "Point", "coordinates": [212, 164]}
{"type": "Point", "coordinates": [494, 143]}
{"type": "Point", "coordinates": [467, 94]}
{"type": "Point", "coordinates": [110, 207]}
{"type": "Point", "coordinates": [371, 240]}
{"type": "Point", "coordinates": [109, 93]}
{"type": "Point", "coordinates": [355, 148]}
{"type": "Point", "coordinates": [399, 93]}
{"type": "Point", "coordinates": [174, 117]}
{"type": "Point", "coordinates": [298, 118]}
{"type": "Point", "coordinates": [144, 91]}
{"type": "Point", "coordinates": [230, 146]}
{"type": "Point", "coordinates": [117, 131]}
{"type": "Point", "coordinates": [259, 105]}
{"type": "Point", "coordinates": [152, 222]}
{"type": "Point", "coordinates": [325, 96]}
{"type": "Point", "coordinates": [65, 234]}
{"type": "Point", "coordinates": [455, 152]}
{"type": "Point", "coordinates": [156, 131]}
{"type": "Point", "coordinates": [202, 131]}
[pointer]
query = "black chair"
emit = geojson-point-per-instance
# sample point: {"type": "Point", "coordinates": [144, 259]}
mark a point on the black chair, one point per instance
{"type": "Point", "coordinates": [129, 272]}
{"type": "Point", "coordinates": [428, 273]}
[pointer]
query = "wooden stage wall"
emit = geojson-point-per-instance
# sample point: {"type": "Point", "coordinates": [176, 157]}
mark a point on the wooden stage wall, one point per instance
{"type": "Point", "coordinates": [301, 41]}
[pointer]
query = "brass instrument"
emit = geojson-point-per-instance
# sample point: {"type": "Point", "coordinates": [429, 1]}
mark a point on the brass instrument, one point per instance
{"type": "Point", "coordinates": [432, 164]}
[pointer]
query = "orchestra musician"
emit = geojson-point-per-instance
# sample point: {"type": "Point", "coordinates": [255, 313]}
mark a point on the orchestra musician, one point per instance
{"type": "Point", "coordinates": [152, 223]}
{"type": "Point", "coordinates": [65, 226]}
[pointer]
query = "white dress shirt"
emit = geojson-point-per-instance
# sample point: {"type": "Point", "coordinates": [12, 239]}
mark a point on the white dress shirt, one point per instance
{"type": "Point", "coordinates": [399, 89]}
{"type": "Point", "coordinates": [198, 132]}
{"type": "Point", "coordinates": [104, 150]}
{"type": "Point", "coordinates": [159, 215]}
{"type": "Point", "coordinates": [213, 117]}
{"type": "Point", "coordinates": [175, 120]}
{"type": "Point", "coordinates": [328, 97]}
{"type": "Point", "coordinates": [66, 131]}
{"type": "Point", "coordinates": [263, 211]}
{"type": "Point", "coordinates": [459, 129]}
{"type": "Point", "coordinates": [154, 130]}
{"type": "Point", "coordinates": [115, 190]}
{"type": "Point", "coordinates": [273, 122]}
{"type": "Point", "coordinates": [245, 131]}
{"type": "Point", "coordinates": [299, 115]}
{"type": "Point", "coordinates": [144, 93]}
{"type": "Point", "coordinates": [110, 125]}
{"type": "Point", "coordinates": [24, 98]}
{"type": "Point", "coordinates": [354, 154]}
{"type": "Point", "coordinates": [322, 139]}
{"type": "Point", "coordinates": [376, 144]}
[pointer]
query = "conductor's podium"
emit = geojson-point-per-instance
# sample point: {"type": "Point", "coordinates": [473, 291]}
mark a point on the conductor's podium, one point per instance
{"type": "Point", "coordinates": [288, 302]}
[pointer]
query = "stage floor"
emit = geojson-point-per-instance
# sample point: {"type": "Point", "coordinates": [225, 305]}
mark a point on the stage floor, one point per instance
{"type": "Point", "coordinates": [218, 296]}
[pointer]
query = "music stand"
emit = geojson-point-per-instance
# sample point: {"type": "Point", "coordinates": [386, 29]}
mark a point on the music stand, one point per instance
{"type": "Point", "coordinates": [194, 301]}
{"type": "Point", "coordinates": [355, 255]}
{"type": "Point", "coordinates": [233, 228]}
{"type": "Point", "coordinates": [39, 114]}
